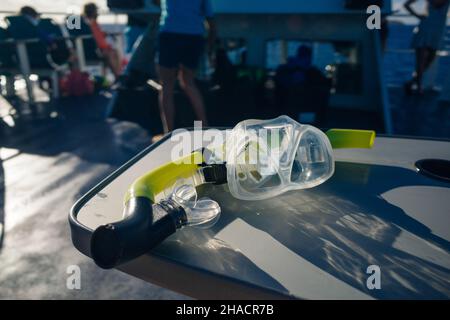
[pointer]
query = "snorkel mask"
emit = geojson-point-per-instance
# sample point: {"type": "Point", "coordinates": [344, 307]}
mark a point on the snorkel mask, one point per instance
{"type": "Point", "coordinates": [268, 158]}
{"type": "Point", "coordinates": [260, 159]}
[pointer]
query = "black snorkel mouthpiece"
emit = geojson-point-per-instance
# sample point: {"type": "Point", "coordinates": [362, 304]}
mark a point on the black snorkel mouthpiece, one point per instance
{"type": "Point", "coordinates": [146, 225]}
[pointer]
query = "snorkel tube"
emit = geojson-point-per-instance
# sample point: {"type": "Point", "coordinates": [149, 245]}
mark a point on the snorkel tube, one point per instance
{"type": "Point", "coordinates": [147, 221]}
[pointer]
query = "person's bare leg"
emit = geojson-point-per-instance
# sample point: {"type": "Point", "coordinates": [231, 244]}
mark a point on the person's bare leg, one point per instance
{"type": "Point", "coordinates": [187, 83]}
{"type": "Point", "coordinates": [113, 62]}
{"type": "Point", "coordinates": [409, 84]}
{"type": "Point", "coordinates": [117, 62]}
{"type": "Point", "coordinates": [421, 60]}
{"type": "Point", "coordinates": [430, 58]}
{"type": "Point", "coordinates": [167, 78]}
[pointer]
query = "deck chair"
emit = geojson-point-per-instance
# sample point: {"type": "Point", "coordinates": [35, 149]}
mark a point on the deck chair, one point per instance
{"type": "Point", "coordinates": [87, 51]}
{"type": "Point", "coordinates": [61, 53]}
{"type": "Point", "coordinates": [8, 61]}
{"type": "Point", "coordinates": [7, 55]}
{"type": "Point", "coordinates": [33, 54]}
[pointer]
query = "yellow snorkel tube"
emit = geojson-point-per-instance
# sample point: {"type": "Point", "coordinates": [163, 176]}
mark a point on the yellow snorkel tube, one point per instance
{"type": "Point", "coordinates": [147, 221]}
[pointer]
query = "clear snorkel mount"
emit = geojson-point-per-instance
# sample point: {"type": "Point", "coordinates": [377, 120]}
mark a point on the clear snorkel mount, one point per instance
{"type": "Point", "coordinates": [202, 213]}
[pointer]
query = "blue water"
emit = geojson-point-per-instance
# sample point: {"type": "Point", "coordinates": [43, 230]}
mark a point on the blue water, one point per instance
{"type": "Point", "coordinates": [399, 66]}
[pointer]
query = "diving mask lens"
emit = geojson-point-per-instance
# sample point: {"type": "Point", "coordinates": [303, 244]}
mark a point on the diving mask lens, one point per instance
{"type": "Point", "coordinates": [267, 158]}
{"type": "Point", "coordinates": [313, 161]}
{"type": "Point", "coordinates": [255, 171]}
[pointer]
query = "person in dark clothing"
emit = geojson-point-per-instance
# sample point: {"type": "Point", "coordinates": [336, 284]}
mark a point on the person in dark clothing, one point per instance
{"type": "Point", "coordinates": [31, 14]}
{"type": "Point", "coordinates": [301, 86]}
{"type": "Point", "coordinates": [427, 38]}
{"type": "Point", "coordinates": [180, 47]}
{"type": "Point", "coordinates": [57, 48]}
{"type": "Point", "coordinates": [294, 71]}
{"type": "Point", "coordinates": [225, 73]}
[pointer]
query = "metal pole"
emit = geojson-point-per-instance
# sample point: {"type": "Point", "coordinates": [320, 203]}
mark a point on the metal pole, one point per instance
{"type": "Point", "coordinates": [25, 69]}
{"type": "Point", "coordinates": [80, 53]}
{"type": "Point", "coordinates": [386, 108]}
{"type": "Point", "coordinates": [445, 93]}
{"type": "Point", "coordinates": [55, 85]}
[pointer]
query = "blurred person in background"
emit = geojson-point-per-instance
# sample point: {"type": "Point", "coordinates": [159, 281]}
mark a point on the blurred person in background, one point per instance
{"type": "Point", "coordinates": [111, 55]}
{"type": "Point", "coordinates": [301, 87]}
{"type": "Point", "coordinates": [30, 14]}
{"type": "Point", "coordinates": [427, 38]}
{"type": "Point", "coordinates": [60, 51]}
{"type": "Point", "coordinates": [58, 48]}
{"type": "Point", "coordinates": [181, 44]}
{"type": "Point", "coordinates": [294, 72]}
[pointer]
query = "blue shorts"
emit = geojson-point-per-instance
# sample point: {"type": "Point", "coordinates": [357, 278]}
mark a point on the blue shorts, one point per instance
{"type": "Point", "coordinates": [175, 49]}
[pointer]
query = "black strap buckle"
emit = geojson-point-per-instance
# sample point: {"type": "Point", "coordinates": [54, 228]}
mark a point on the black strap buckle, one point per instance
{"type": "Point", "coordinates": [215, 173]}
